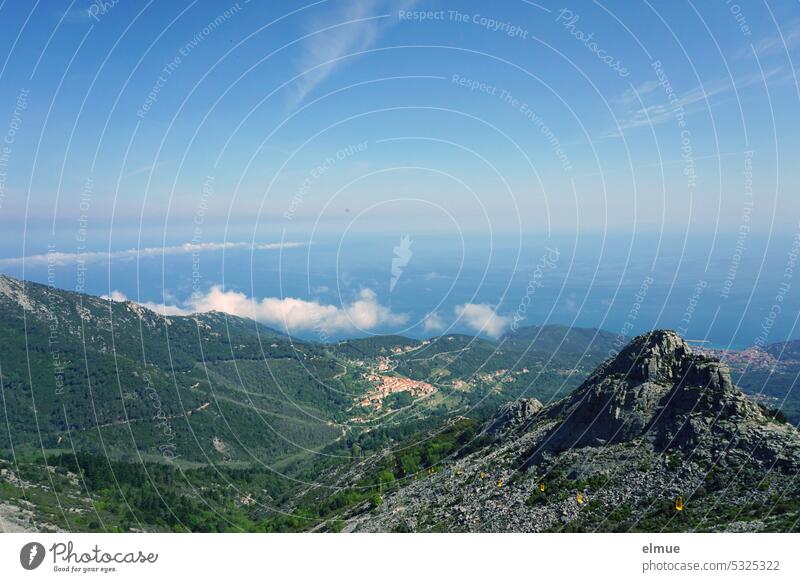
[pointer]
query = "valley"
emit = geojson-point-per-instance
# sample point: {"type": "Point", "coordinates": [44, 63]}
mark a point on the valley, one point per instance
{"type": "Point", "coordinates": [120, 419]}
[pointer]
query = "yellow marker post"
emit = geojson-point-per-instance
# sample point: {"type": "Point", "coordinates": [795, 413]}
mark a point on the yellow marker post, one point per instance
{"type": "Point", "coordinates": [679, 503]}
{"type": "Point", "coordinates": [580, 498]}
{"type": "Point", "coordinates": [500, 483]}
{"type": "Point", "coordinates": [541, 487]}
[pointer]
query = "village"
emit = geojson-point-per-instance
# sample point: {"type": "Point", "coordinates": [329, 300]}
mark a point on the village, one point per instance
{"type": "Point", "coordinates": [386, 385]}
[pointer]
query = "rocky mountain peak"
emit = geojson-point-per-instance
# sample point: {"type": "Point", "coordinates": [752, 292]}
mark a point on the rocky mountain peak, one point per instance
{"type": "Point", "coordinates": [654, 422]}
{"type": "Point", "coordinates": [655, 388]}
{"type": "Point", "coordinates": [658, 356]}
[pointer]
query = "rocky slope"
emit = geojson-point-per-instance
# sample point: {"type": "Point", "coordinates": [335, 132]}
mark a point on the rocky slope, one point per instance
{"type": "Point", "coordinates": [654, 424]}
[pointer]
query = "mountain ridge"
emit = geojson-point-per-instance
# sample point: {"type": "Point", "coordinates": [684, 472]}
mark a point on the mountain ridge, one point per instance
{"type": "Point", "coordinates": [389, 433]}
{"type": "Point", "coordinates": [654, 423]}
{"type": "Point", "coordinates": [82, 360]}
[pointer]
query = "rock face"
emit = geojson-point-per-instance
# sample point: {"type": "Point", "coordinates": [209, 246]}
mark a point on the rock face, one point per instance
{"type": "Point", "coordinates": [513, 416]}
{"type": "Point", "coordinates": [653, 422]}
{"type": "Point", "coordinates": [651, 387]}
{"type": "Point", "coordinates": [658, 390]}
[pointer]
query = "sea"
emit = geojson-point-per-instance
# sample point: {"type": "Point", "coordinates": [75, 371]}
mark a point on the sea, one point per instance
{"type": "Point", "coordinates": [726, 291]}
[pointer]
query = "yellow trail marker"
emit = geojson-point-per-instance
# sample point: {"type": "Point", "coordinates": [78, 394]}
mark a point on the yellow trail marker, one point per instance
{"type": "Point", "coordinates": [679, 503]}
{"type": "Point", "coordinates": [580, 498]}
{"type": "Point", "coordinates": [500, 483]}
{"type": "Point", "coordinates": [541, 487]}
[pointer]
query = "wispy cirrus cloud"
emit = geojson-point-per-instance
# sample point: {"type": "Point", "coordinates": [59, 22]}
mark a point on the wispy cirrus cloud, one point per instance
{"type": "Point", "coordinates": [146, 169]}
{"type": "Point", "coordinates": [634, 115]}
{"type": "Point", "coordinates": [60, 259]}
{"type": "Point", "coordinates": [355, 27]}
{"type": "Point", "coordinates": [787, 40]}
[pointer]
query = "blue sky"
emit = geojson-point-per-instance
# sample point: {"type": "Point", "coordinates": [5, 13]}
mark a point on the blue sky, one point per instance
{"type": "Point", "coordinates": [131, 124]}
{"type": "Point", "coordinates": [229, 108]}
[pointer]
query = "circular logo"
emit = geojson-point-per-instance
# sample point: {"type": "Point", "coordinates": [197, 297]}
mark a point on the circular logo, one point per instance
{"type": "Point", "coordinates": [31, 555]}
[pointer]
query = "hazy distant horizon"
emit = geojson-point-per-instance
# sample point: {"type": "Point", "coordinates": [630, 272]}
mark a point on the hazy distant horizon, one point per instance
{"type": "Point", "coordinates": [604, 281]}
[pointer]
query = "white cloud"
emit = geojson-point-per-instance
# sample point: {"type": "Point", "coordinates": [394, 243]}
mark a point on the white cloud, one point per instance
{"type": "Point", "coordinates": [299, 314]}
{"type": "Point", "coordinates": [571, 303]}
{"type": "Point", "coordinates": [483, 318]}
{"type": "Point", "coordinates": [160, 308]}
{"type": "Point", "coordinates": [117, 296]}
{"type": "Point", "coordinates": [289, 313]}
{"type": "Point", "coordinates": [433, 323]}
{"type": "Point", "coordinates": [59, 259]}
